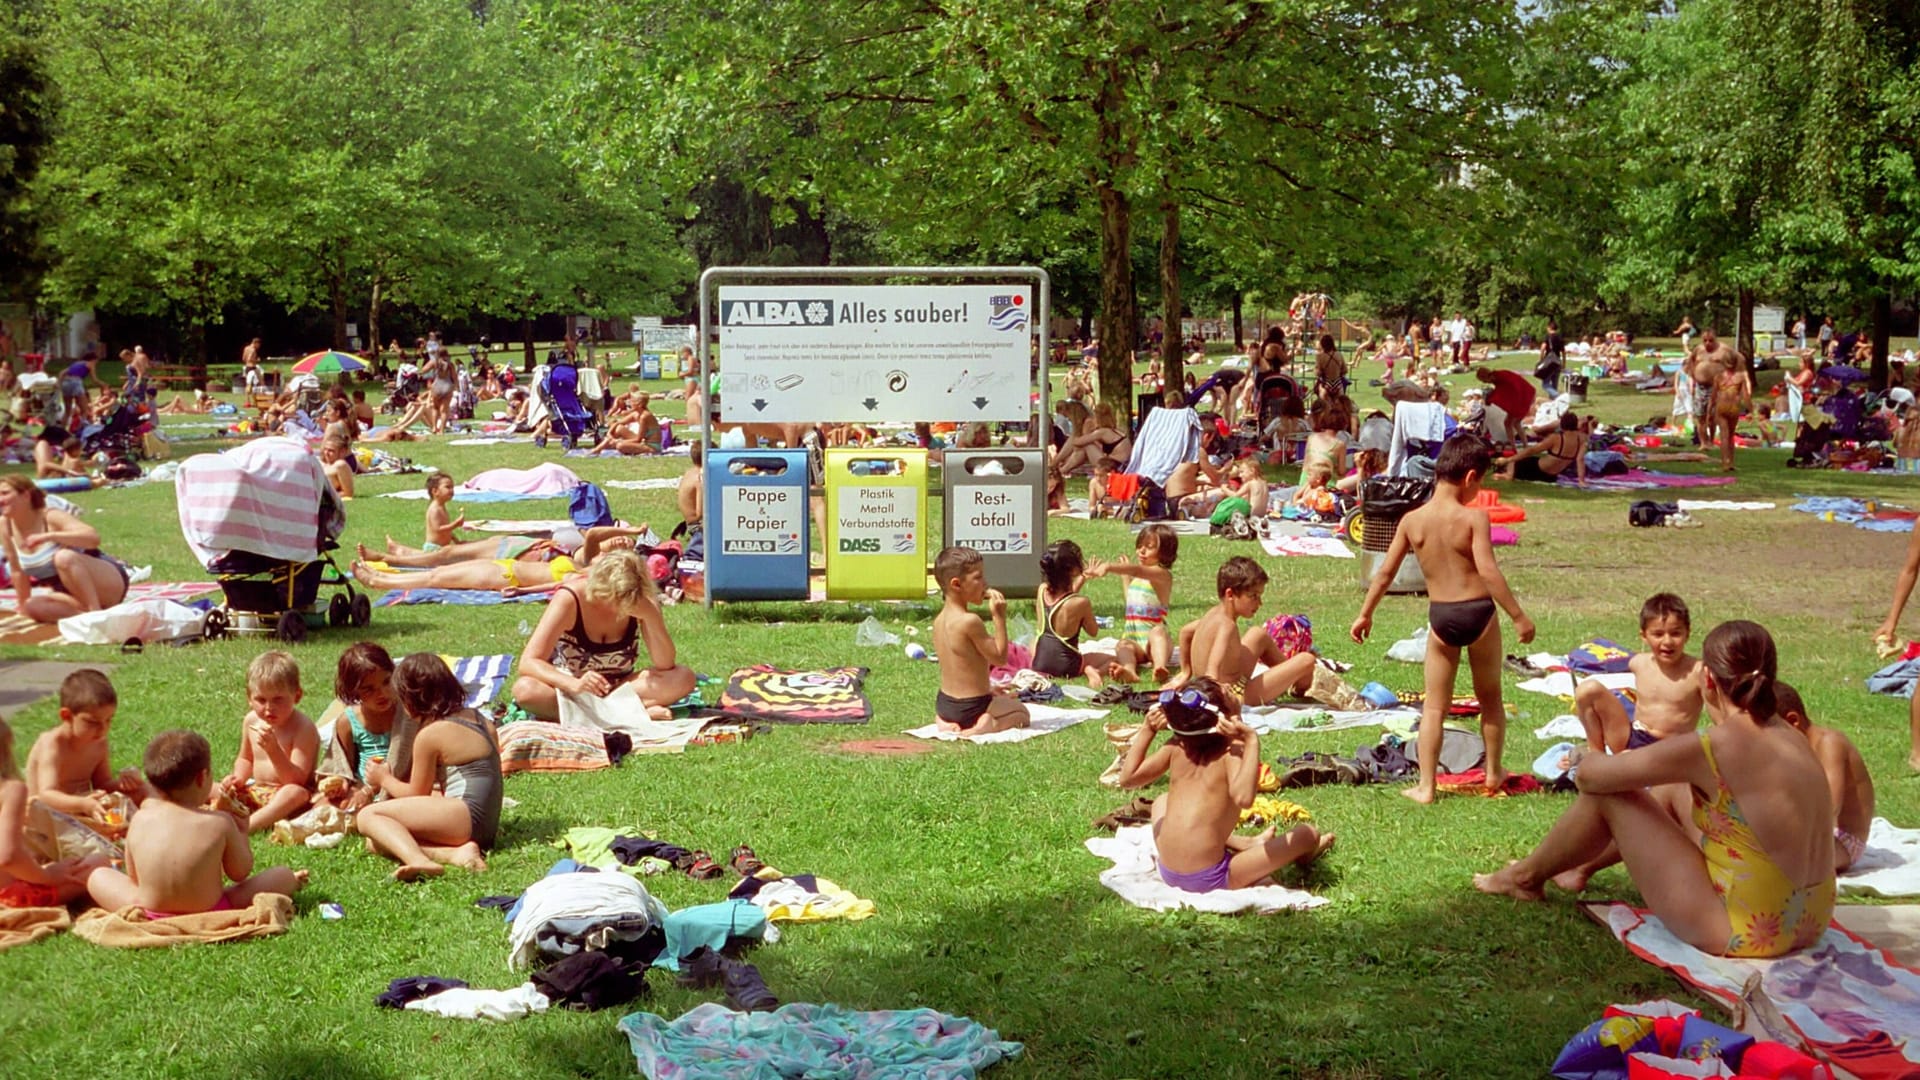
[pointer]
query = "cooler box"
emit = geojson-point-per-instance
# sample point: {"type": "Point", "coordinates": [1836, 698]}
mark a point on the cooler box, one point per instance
{"type": "Point", "coordinates": [996, 504]}
{"type": "Point", "coordinates": [876, 524]}
{"type": "Point", "coordinates": [756, 519]}
{"type": "Point", "coordinates": [649, 365]}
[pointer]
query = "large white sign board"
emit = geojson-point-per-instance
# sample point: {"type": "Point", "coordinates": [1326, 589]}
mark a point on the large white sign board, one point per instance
{"type": "Point", "coordinates": [875, 352]}
{"type": "Point", "coordinates": [1769, 320]}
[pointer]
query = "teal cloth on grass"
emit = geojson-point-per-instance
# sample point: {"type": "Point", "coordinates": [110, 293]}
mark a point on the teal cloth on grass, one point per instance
{"type": "Point", "coordinates": [712, 1042]}
{"type": "Point", "coordinates": [709, 925]}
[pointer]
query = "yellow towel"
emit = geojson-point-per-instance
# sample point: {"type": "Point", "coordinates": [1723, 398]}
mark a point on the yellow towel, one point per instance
{"type": "Point", "coordinates": [129, 928]}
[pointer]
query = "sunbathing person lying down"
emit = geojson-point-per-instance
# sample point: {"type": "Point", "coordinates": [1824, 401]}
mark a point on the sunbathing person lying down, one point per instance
{"type": "Point", "coordinates": [538, 568]}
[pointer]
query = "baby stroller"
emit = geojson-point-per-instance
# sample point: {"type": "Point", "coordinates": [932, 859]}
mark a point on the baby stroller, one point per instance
{"type": "Point", "coordinates": [42, 393]}
{"type": "Point", "coordinates": [118, 435]}
{"type": "Point", "coordinates": [560, 394]}
{"type": "Point", "coordinates": [407, 384]}
{"type": "Point", "coordinates": [1271, 394]}
{"type": "Point", "coordinates": [269, 553]}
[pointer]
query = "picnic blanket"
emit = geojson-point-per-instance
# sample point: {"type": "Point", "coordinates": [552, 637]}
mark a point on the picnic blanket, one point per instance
{"type": "Point", "coordinates": [1843, 996]}
{"type": "Point", "coordinates": [17, 629]}
{"type": "Point", "coordinates": [456, 597]}
{"type": "Point", "coordinates": [712, 1042]}
{"type": "Point", "coordinates": [129, 928]}
{"type": "Point", "coordinates": [1642, 479]}
{"type": "Point", "coordinates": [781, 696]}
{"type": "Point", "coordinates": [1135, 877]}
{"type": "Point", "coordinates": [482, 675]}
{"type": "Point", "coordinates": [1860, 513]}
{"type": "Point", "coordinates": [178, 591]}
{"type": "Point", "coordinates": [1890, 865]}
{"type": "Point", "coordinates": [24, 926]}
{"type": "Point", "coordinates": [1327, 546]}
{"type": "Point", "coordinates": [1042, 720]}
{"type": "Point", "coordinates": [463, 495]}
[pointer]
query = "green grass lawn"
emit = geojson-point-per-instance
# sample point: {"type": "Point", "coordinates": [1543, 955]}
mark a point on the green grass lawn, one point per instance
{"type": "Point", "coordinates": [988, 904]}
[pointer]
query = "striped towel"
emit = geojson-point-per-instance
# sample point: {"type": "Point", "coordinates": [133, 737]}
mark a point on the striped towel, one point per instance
{"type": "Point", "coordinates": [482, 676]}
{"type": "Point", "coordinates": [266, 497]}
{"type": "Point", "coordinates": [537, 746]}
{"type": "Point", "coordinates": [178, 591]}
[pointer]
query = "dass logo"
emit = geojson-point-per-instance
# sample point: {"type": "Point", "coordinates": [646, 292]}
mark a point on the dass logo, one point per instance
{"type": "Point", "coordinates": [862, 545]}
{"type": "Point", "coordinates": [798, 312]}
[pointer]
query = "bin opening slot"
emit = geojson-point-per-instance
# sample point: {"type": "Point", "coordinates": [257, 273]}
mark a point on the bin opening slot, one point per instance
{"type": "Point", "coordinates": [877, 466]}
{"type": "Point", "coordinates": [758, 466]}
{"type": "Point", "coordinates": [1011, 465]}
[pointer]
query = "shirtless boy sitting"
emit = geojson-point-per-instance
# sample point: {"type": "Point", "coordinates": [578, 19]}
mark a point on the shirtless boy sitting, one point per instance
{"type": "Point", "coordinates": [67, 767]}
{"type": "Point", "coordinates": [1847, 777]}
{"type": "Point", "coordinates": [967, 702]}
{"type": "Point", "coordinates": [1450, 536]}
{"type": "Point", "coordinates": [1666, 685]}
{"type": "Point", "coordinates": [1213, 647]}
{"type": "Point", "coordinates": [179, 857]}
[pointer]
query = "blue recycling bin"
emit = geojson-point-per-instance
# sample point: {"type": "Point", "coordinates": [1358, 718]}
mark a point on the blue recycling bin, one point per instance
{"type": "Point", "coordinates": [650, 365]}
{"type": "Point", "coordinates": [757, 524]}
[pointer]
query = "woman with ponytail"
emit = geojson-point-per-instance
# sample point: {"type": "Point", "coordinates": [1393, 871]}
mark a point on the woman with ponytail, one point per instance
{"type": "Point", "coordinates": [1746, 869]}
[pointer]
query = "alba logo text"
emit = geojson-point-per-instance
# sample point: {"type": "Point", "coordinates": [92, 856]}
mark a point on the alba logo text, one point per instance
{"type": "Point", "coordinates": [796, 312]}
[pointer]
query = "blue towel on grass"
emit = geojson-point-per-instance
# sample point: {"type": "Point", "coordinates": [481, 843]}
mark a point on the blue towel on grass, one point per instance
{"type": "Point", "coordinates": [460, 597]}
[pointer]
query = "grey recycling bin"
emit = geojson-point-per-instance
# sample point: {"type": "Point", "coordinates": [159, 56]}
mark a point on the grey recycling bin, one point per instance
{"type": "Point", "coordinates": [996, 503]}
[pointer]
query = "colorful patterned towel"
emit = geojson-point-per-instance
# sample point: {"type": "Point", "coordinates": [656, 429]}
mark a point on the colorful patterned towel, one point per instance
{"type": "Point", "coordinates": [1642, 479]}
{"type": "Point", "coordinates": [764, 692]}
{"type": "Point", "coordinates": [1327, 546]}
{"type": "Point", "coordinates": [1850, 1001]}
{"type": "Point", "coordinates": [711, 1042]}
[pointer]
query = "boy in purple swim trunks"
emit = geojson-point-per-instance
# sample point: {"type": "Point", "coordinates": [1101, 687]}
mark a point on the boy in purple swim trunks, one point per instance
{"type": "Point", "coordinates": [1212, 765]}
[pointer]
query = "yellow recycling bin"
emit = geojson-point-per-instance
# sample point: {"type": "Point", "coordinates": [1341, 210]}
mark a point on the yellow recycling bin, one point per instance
{"type": "Point", "coordinates": [876, 524]}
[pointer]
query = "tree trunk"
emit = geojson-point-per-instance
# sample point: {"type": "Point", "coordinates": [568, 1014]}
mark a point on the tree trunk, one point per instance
{"type": "Point", "coordinates": [338, 296]}
{"type": "Point", "coordinates": [1882, 331]}
{"type": "Point", "coordinates": [1239, 322]}
{"type": "Point", "coordinates": [1119, 320]}
{"type": "Point", "coordinates": [526, 338]}
{"type": "Point", "coordinates": [373, 330]}
{"type": "Point", "coordinates": [1173, 346]}
{"type": "Point", "coordinates": [1744, 342]}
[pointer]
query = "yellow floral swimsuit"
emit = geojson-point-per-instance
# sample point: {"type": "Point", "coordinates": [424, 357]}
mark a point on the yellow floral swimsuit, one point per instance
{"type": "Point", "coordinates": [1770, 915]}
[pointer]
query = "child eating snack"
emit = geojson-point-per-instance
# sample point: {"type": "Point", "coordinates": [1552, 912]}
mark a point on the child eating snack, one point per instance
{"type": "Point", "coordinates": [24, 882]}
{"type": "Point", "coordinates": [273, 773]}
{"type": "Point", "coordinates": [179, 858]}
{"type": "Point", "coordinates": [67, 767]}
{"type": "Point", "coordinates": [1212, 765]}
{"type": "Point", "coordinates": [967, 702]}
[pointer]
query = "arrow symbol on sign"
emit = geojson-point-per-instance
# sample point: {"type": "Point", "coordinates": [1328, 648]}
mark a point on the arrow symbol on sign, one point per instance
{"type": "Point", "coordinates": [759, 404]}
{"type": "Point", "coordinates": [980, 403]}
{"type": "Point", "coordinates": [871, 404]}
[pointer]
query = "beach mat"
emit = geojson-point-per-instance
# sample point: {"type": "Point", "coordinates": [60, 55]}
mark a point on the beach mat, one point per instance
{"type": "Point", "coordinates": [177, 591]}
{"type": "Point", "coordinates": [1845, 997]}
{"type": "Point", "coordinates": [23, 682]}
{"type": "Point", "coordinates": [780, 696]}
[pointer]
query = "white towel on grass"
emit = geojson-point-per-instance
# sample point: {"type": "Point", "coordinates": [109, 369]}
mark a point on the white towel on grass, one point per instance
{"type": "Point", "coordinates": [1043, 720]}
{"type": "Point", "coordinates": [1327, 546]}
{"type": "Point", "coordinates": [1136, 878]}
{"type": "Point", "coordinates": [1560, 683]}
{"type": "Point", "coordinates": [1565, 726]}
{"type": "Point", "coordinates": [1690, 505]}
{"type": "Point", "coordinates": [1267, 719]}
{"type": "Point", "coordinates": [623, 711]}
{"type": "Point", "coordinates": [1890, 866]}
{"type": "Point", "coordinates": [657, 483]}
{"type": "Point", "coordinates": [496, 1005]}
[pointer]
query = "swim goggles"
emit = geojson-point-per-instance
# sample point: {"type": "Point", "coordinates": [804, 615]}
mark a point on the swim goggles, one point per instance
{"type": "Point", "coordinates": [1195, 701]}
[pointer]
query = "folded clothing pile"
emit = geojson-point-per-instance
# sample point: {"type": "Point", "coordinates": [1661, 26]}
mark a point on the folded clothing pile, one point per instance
{"type": "Point", "coordinates": [1659, 1039]}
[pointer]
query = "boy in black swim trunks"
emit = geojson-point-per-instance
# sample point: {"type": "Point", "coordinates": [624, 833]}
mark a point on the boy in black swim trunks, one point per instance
{"type": "Point", "coordinates": [1450, 537]}
{"type": "Point", "coordinates": [966, 702]}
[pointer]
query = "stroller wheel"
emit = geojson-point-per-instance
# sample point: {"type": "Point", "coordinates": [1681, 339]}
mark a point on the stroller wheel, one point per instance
{"type": "Point", "coordinates": [290, 628]}
{"type": "Point", "coordinates": [360, 610]}
{"type": "Point", "coordinates": [339, 610]}
{"type": "Point", "coordinates": [216, 626]}
{"type": "Point", "coordinates": [1356, 531]}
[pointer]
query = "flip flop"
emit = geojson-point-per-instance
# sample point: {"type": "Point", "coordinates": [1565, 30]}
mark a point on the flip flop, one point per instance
{"type": "Point", "coordinates": [703, 867]}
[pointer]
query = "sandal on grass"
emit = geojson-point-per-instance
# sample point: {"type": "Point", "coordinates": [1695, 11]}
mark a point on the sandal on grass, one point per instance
{"type": "Point", "coordinates": [703, 867]}
{"type": "Point", "coordinates": [745, 862]}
